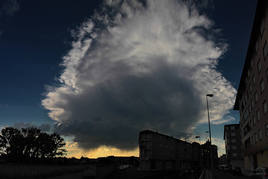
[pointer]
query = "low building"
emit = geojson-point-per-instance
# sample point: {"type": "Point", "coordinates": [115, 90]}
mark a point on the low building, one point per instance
{"type": "Point", "coordinates": [205, 160]}
{"type": "Point", "coordinates": [162, 152]}
{"type": "Point", "coordinates": [232, 137]}
{"type": "Point", "coordinates": [223, 160]}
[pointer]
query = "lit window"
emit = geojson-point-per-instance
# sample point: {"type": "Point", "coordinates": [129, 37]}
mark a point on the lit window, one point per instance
{"type": "Point", "coordinates": [262, 85]}
{"type": "Point", "coordinates": [259, 65]}
{"type": "Point", "coordinates": [265, 107]}
{"type": "Point", "coordinates": [265, 49]}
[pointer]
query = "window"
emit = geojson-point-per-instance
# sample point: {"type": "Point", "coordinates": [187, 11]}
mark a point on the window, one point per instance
{"type": "Point", "coordinates": [258, 115]}
{"type": "Point", "coordinates": [260, 135]}
{"type": "Point", "coordinates": [262, 28]}
{"type": "Point", "coordinates": [254, 79]}
{"type": "Point", "coordinates": [265, 49]}
{"type": "Point", "coordinates": [242, 106]}
{"type": "Point", "coordinates": [251, 63]}
{"type": "Point", "coordinates": [232, 128]}
{"type": "Point", "coordinates": [256, 138]}
{"type": "Point", "coordinates": [246, 114]}
{"type": "Point", "coordinates": [257, 45]}
{"type": "Point", "coordinates": [254, 120]}
{"type": "Point", "coordinates": [245, 98]}
{"type": "Point", "coordinates": [233, 140]}
{"type": "Point", "coordinates": [259, 65]}
{"type": "Point", "coordinates": [250, 87]}
{"type": "Point", "coordinates": [247, 143]}
{"type": "Point", "coordinates": [232, 134]}
{"type": "Point", "coordinates": [266, 129]}
{"type": "Point", "coordinates": [234, 147]}
{"type": "Point", "coordinates": [264, 106]}
{"type": "Point", "coordinates": [234, 154]}
{"type": "Point", "coordinates": [249, 74]}
{"type": "Point", "coordinates": [256, 96]}
{"type": "Point", "coordinates": [252, 140]}
{"type": "Point", "coordinates": [262, 85]}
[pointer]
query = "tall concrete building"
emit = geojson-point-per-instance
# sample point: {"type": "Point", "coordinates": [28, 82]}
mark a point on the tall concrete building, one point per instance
{"type": "Point", "coordinates": [252, 95]}
{"type": "Point", "coordinates": [234, 155]}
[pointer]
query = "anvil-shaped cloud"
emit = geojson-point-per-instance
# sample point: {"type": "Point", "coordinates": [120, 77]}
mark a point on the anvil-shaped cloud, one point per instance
{"type": "Point", "coordinates": [137, 65]}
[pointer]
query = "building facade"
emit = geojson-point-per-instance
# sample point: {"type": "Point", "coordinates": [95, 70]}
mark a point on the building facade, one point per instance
{"type": "Point", "coordinates": [162, 152]}
{"type": "Point", "coordinates": [252, 95]}
{"type": "Point", "coordinates": [232, 137]}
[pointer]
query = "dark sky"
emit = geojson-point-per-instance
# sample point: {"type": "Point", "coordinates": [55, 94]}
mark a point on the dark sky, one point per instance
{"type": "Point", "coordinates": [34, 39]}
{"type": "Point", "coordinates": [35, 35]}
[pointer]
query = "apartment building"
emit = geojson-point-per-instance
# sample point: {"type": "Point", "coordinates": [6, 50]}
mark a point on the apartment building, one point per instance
{"type": "Point", "coordinates": [232, 137]}
{"type": "Point", "coordinates": [162, 152]}
{"type": "Point", "coordinates": [252, 95]}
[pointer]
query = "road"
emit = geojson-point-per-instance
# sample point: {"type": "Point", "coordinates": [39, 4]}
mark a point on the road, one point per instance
{"type": "Point", "coordinates": [90, 172]}
{"type": "Point", "coordinates": [134, 174]}
{"type": "Point", "coordinates": [227, 175]}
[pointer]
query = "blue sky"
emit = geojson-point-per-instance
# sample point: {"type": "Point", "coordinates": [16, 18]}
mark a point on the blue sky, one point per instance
{"type": "Point", "coordinates": [36, 35]}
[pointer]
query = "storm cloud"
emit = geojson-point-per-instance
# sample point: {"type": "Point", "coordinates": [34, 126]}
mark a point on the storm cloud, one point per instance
{"type": "Point", "coordinates": [139, 65]}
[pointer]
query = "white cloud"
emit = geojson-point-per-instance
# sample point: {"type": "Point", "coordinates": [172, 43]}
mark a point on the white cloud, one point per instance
{"type": "Point", "coordinates": [142, 65]}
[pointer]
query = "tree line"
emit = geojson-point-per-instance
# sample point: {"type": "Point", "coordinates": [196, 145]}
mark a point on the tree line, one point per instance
{"type": "Point", "coordinates": [30, 144]}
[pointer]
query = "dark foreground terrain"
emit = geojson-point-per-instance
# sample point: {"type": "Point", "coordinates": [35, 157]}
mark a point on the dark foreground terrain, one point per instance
{"type": "Point", "coordinates": [90, 171]}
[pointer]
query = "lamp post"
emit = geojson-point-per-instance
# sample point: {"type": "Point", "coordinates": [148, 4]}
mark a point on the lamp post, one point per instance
{"type": "Point", "coordinates": [209, 129]}
{"type": "Point", "coordinates": [210, 146]}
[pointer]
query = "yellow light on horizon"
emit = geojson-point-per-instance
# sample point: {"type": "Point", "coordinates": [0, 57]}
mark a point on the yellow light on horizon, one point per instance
{"type": "Point", "coordinates": [103, 151]}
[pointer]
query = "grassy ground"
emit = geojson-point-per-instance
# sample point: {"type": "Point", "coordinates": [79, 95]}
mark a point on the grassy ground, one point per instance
{"type": "Point", "coordinates": [14, 171]}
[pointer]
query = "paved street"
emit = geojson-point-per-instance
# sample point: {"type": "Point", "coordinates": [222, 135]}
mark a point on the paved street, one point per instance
{"type": "Point", "coordinates": [227, 175]}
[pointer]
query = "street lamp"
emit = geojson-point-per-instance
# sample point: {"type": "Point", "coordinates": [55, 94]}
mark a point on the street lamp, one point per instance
{"type": "Point", "coordinates": [209, 129]}
{"type": "Point", "coordinates": [211, 156]}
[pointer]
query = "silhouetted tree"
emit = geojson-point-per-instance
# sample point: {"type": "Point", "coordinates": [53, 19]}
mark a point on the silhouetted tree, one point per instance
{"type": "Point", "coordinates": [11, 142]}
{"type": "Point", "coordinates": [31, 137]}
{"type": "Point", "coordinates": [30, 143]}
